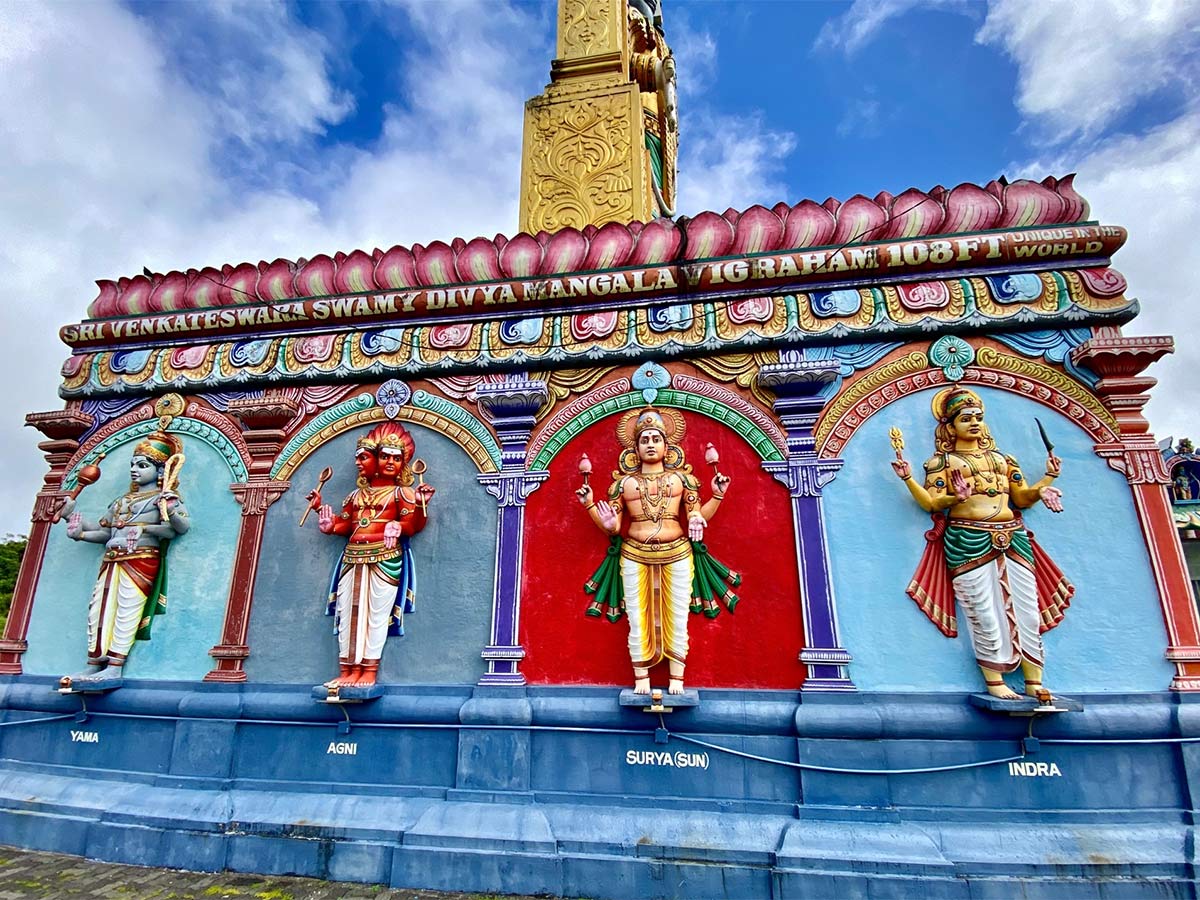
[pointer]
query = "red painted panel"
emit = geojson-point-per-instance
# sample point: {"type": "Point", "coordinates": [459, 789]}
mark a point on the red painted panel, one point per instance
{"type": "Point", "coordinates": [757, 647]}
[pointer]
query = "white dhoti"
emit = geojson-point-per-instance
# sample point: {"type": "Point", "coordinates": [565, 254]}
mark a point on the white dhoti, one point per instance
{"type": "Point", "coordinates": [1000, 604]}
{"type": "Point", "coordinates": [365, 601]}
{"type": "Point", "coordinates": [657, 582]}
{"type": "Point", "coordinates": [118, 602]}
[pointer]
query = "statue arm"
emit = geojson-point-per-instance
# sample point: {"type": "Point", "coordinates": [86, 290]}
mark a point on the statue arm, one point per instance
{"type": "Point", "coordinates": [80, 529]}
{"type": "Point", "coordinates": [416, 520]}
{"type": "Point", "coordinates": [1026, 495]}
{"type": "Point", "coordinates": [177, 522]}
{"type": "Point", "coordinates": [934, 495]}
{"type": "Point", "coordinates": [342, 523]}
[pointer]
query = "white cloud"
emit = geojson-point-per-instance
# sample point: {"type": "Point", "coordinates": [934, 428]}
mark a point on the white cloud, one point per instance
{"type": "Point", "coordinates": [1084, 64]}
{"type": "Point", "coordinates": [865, 19]}
{"type": "Point", "coordinates": [730, 162]}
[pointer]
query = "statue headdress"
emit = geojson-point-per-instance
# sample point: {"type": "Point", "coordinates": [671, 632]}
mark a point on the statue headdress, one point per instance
{"type": "Point", "coordinates": [946, 405]}
{"type": "Point", "coordinates": [158, 447]}
{"type": "Point", "coordinates": [392, 439]}
{"type": "Point", "coordinates": [668, 422]}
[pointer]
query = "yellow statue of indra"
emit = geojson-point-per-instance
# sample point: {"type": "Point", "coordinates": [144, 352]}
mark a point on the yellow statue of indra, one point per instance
{"type": "Point", "coordinates": [663, 573]}
{"type": "Point", "coordinates": [1008, 588]}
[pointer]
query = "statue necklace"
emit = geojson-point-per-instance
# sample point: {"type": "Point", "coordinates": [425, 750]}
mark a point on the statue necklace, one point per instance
{"type": "Point", "coordinates": [126, 506]}
{"type": "Point", "coordinates": [371, 502]}
{"type": "Point", "coordinates": [653, 497]}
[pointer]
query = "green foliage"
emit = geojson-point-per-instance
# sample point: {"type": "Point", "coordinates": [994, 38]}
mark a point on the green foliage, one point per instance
{"type": "Point", "coordinates": [11, 550]}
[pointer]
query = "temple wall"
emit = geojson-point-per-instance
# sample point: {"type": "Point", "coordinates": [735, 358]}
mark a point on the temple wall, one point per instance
{"type": "Point", "coordinates": [1112, 636]}
{"type": "Point", "coordinates": [293, 641]}
{"type": "Point", "coordinates": [199, 563]}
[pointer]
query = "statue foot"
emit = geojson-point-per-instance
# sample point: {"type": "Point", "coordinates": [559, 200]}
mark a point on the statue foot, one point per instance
{"type": "Point", "coordinates": [87, 674]}
{"type": "Point", "coordinates": [675, 686]}
{"type": "Point", "coordinates": [641, 685]}
{"type": "Point", "coordinates": [1002, 691]}
{"type": "Point", "coordinates": [366, 678]}
{"type": "Point", "coordinates": [345, 678]}
{"type": "Point", "coordinates": [1038, 692]}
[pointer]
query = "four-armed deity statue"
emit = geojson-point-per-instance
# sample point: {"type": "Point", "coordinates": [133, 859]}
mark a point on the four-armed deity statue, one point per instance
{"type": "Point", "coordinates": [136, 531]}
{"type": "Point", "coordinates": [664, 572]}
{"type": "Point", "coordinates": [1006, 586]}
{"type": "Point", "coordinates": [374, 582]}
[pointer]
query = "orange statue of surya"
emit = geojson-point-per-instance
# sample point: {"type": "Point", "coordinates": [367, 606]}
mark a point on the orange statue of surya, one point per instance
{"type": "Point", "coordinates": [374, 583]}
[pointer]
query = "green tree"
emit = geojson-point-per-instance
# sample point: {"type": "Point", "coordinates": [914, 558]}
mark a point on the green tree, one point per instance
{"type": "Point", "coordinates": [11, 550]}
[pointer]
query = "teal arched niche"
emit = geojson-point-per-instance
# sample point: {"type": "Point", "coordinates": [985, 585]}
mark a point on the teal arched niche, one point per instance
{"type": "Point", "coordinates": [200, 562]}
{"type": "Point", "coordinates": [1113, 636]}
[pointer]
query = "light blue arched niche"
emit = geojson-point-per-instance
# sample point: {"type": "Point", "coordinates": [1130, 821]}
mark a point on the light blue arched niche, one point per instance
{"type": "Point", "coordinates": [291, 638]}
{"type": "Point", "coordinates": [1113, 637]}
{"type": "Point", "coordinates": [199, 562]}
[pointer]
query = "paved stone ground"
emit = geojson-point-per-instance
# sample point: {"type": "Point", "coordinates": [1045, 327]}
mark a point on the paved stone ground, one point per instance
{"type": "Point", "coordinates": [28, 874]}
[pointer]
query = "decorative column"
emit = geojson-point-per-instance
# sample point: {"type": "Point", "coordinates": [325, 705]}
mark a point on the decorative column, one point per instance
{"type": "Point", "coordinates": [63, 428]}
{"type": "Point", "coordinates": [510, 406]}
{"type": "Point", "coordinates": [263, 420]}
{"type": "Point", "coordinates": [1119, 361]}
{"type": "Point", "coordinates": [798, 386]}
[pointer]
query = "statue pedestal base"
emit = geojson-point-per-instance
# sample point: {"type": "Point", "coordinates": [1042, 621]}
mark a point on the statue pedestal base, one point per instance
{"type": "Point", "coordinates": [90, 685]}
{"type": "Point", "coordinates": [1026, 706]}
{"type": "Point", "coordinates": [353, 694]}
{"type": "Point", "coordinates": [658, 700]}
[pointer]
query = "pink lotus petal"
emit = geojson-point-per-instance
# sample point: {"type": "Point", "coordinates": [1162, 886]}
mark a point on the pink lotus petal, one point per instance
{"type": "Point", "coordinates": [758, 230]}
{"type": "Point", "coordinates": [609, 247]}
{"type": "Point", "coordinates": [1075, 206]}
{"type": "Point", "coordinates": [657, 242]}
{"type": "Point", "coordinates": [135, 295]}
{"type": "Point", "coordinates": [859, 219]}
{"type": "Point", "coordinates": [832, 204]}
{"type": "Point", "coordinates": [276, 280]}
{"type": "Point", "coordinates": [884, 199]}
{"type": "Point", "coordinates": [913, 214]}
{"type": "Point", "coordinates": [565, 252]}
{"type": "Point", "coordinates": [970, 208]}
{"type": "Point", "coordinates": [808, 225]}
{"type": "Point", "coordinates": [107, 302]}
{"type": "Point", "coordinates": [206, 288]}
{"type": "Point", "coordinates": [396, 269]}
{"type": "Point", "coordinates": [435, 264]}
{"type": "Point", "coordinates": [1028, 203]}
{"type": "Point", "coordinates": [521, 257]}
{"type": "Point", "coordinates": [355, 273]}
{"type": "Point", "coordinates": [996, 189]}
{"type": "Point", "coordinates": [478, 260]}
{"type": "Point", "coordinates": [708, 235]}
{"type": "Point", "coordinates": [170, 293]}
{"type": "Point", "coordinates": [242, 283]}
{"type": "Point", "coordinates": [315, 277]}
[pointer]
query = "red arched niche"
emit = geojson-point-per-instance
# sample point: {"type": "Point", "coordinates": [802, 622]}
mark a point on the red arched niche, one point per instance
{"type": "Point", "coordinates": [757, 647]}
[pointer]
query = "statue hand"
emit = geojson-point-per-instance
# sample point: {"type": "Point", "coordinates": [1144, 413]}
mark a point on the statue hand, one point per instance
{"type": "Point", "coordinates": [1053, 466]}
{"type": "Point", "coordinates": [608, 518]}
{"type": "Point", "coordinates": [325, 519]}
{"type": "Point", "coordinates": [696, 526]}
{"type": "Point", "coordinates": [720, 484]}
{"type": "Point", "coordinates": [314, 499]}
{"type": "Point", "coordinates": [425, 492]}
{"type": "Point", "coordinates": [902, 469]}
{"type": "Point", "coordinates": [1052, 497]}
{"type": "Point", "coordinates": [961, 487]}
{"type": "Point", "coordinates": [585, 495]}
{"type": "Point", "coordinates": [391, 534]}
{"type": "Point", "coordinates": [75, 526]}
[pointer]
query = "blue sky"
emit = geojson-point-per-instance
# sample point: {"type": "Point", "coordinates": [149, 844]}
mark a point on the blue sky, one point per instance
{"type": "Point", "coordinates": [173, 135]}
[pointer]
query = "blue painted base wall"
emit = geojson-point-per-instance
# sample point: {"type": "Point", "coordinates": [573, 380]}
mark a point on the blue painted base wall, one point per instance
{"type": "Point", "coordinates": [561, 791]}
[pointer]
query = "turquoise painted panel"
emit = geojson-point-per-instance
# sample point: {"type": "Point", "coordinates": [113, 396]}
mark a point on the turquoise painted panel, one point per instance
{"type": "Point", "coordinates": [200, 564]}
{"type": "Point", "coordinates": [1113, 636]}
{"type": "Point", "coordinates": [292, 640]}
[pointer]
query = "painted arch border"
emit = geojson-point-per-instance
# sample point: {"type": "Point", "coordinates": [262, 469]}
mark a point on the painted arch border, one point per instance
{"type": "Point", "coordinates": [912, 373]}
{"type": "Point", "coordinates": [756, 437]}
{"type": "Point", "coordinates": [442, 416]}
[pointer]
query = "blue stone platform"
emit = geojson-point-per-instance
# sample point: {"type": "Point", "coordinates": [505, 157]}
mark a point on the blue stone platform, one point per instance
{"type": "Point", "coordinates": [352, 694]}
{"type": "Point", "coordinates": [565, 792]}
{"type": "Point", "coordinates": [658, 700]}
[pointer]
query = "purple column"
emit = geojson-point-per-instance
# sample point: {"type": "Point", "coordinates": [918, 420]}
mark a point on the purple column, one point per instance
{"type": "Point", "coordinates": [799, 386]}
{"type": "Point", "coordinates": [510, 406]}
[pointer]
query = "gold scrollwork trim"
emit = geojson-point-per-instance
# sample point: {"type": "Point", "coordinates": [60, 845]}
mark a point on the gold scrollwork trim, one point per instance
{"type": "Point", "coordinates": [864, 387]}
{"type": "Point", "coordinates": [741, 369]}
{"type": "Point", "coordinates": [989, 357]}
{"type": "Point", "coordinates": [432, 420]}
